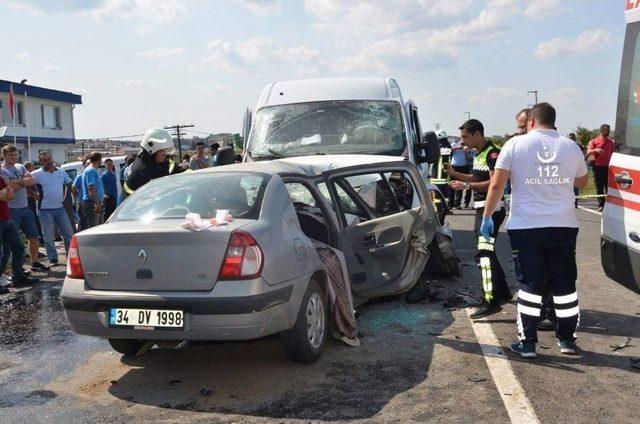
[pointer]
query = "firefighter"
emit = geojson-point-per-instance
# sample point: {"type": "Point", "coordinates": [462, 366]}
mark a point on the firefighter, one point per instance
{"type": "Point", "coordinates": [494, 284]}
{"type": "Point", "coordinates": [152, 162]}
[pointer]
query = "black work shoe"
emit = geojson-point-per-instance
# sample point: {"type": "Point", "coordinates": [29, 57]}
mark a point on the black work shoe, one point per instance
{"type": "Point", "coordinates": [485, 309]}
{"type": "Point", "coordinates": [38, 266]}
{"type": "Point", "coordinates": [546, 325]}
{"type": "Point", "coordinates": [23, 281]}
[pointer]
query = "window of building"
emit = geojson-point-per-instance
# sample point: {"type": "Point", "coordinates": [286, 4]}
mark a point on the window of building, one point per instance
{"type": "Point", "coordinates": [1, 112]}
{"type": "Point", "coordinates": [50, 116]}
{"type": "Point", "coordinates": [19, 113]}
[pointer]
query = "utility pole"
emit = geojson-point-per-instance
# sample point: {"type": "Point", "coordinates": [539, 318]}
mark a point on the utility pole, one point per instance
{"type": "Point", "coordinates": [535, 93]}
{"type": "Point", "coordinates": [468, 115]}
{"type": "Point", "coordinates": [179, 135]}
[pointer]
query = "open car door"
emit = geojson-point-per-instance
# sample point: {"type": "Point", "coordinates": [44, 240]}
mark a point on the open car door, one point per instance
{"type": "Point", "coordinates": [386, 225]}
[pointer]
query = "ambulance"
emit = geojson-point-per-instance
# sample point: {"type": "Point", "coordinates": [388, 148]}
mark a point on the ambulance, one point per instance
{"type": "Point", "coordinates": [620, 247]}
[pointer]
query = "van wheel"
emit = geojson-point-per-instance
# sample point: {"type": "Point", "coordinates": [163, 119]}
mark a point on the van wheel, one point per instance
{"type": "Point", "coordinates": [126, 346]}
{"type": "Point", "coordinates": [305, 341]}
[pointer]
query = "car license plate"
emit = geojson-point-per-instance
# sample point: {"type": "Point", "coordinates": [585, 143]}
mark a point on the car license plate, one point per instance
{"type": "Point", "coordinates": [146, 318]}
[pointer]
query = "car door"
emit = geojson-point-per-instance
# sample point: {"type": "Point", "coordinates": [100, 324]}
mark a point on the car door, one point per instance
{"type": "Point", "coordinates": [383, 235]}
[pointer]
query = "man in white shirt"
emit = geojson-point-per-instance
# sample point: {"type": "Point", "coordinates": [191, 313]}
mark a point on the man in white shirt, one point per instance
{"type": "Point", "coordinates": [543, 167]}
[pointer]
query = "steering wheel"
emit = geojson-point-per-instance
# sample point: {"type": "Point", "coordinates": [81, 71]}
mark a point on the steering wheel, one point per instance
{"type": "Point", "coordinates": [349, 134]}
{"type": "Point", "coordinates": [171, 211]}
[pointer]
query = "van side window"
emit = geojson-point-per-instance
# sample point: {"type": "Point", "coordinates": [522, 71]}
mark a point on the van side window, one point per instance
{"type": "Point", "coordinates": [403, 189]}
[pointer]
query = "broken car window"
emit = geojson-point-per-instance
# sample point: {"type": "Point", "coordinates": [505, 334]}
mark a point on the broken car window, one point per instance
{"type": "Point", "coordinates": [332, 127]}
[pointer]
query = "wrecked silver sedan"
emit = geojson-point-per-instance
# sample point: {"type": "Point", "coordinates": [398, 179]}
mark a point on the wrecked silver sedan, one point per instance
{"type": "Point", "coordinates": [250, 266]}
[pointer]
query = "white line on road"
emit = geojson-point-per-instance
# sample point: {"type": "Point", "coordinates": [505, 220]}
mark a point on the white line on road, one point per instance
{"type": "Point", "coordinates": [513, 396]}
{"type": "Point", "coordinates": [590, 210]}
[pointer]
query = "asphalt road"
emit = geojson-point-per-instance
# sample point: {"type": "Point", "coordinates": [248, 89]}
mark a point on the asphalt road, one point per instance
{"type": "Point", "coordinates": [417, 362]}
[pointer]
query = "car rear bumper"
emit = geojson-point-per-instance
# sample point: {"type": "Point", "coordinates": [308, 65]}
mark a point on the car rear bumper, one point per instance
{"type": "Point", "coordinates": [620, 263]}
{"type": "Point", "coordinates": [233, 310]}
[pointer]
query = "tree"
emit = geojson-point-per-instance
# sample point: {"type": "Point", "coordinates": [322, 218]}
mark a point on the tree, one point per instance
{"type": "Point", "coordinates": [585, 135]}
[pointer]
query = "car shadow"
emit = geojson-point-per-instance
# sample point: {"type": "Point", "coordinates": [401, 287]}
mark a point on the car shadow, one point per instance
{"type": "Point", "coordinates": [255, 378]}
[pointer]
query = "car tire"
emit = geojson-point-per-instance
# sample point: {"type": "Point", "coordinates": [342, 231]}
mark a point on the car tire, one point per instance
{"type": "Point", "coordinates": [126, 346]}
{"type": "Point", "coordinates": [305, 341]}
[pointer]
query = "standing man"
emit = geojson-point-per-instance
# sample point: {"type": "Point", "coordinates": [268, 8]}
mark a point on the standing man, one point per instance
{"type": "Point", "coordinates": [54, 183]}
{"type": "Point", "coordinates": [459, 161]}
{"type": "Point", "coordinates": [213, 151]}
{"type": "Point", "coordinates": [543, 167]}
{"type": "Point", "coordinates": [92, 191]}
{"type": "Point", "coordinates": [521, 121]}
{"type": "Point", "coordinates": [494, 283]}
{"type": "Point", "coordinates": [19, 179]}
{"type": "Point", "coordinates": [32, 197]}
{"type": "Point", "coordinates": [601, 148]}
{"type": "Point", "coordinates": [10, 238]}
{"type": "Point", "coordinates": [110, 184]}
{"type": "Point", "coordinates": [76, 192]}
{"type": "Point", "coordinates": [199, 161]}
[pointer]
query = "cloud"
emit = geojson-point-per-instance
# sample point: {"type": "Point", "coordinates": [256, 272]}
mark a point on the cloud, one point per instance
{"type": "Point", "coordinates": [22, 56]}
{"type": "Point", "coordinates": [263, 7]}
{"type": "Point", "coordinates": [52, 68]}
{"type": "Point", "coordinates": [213, 89]}
{"type": "Point", "coordinates": [372, 19]}
{"type": "Point", "coordinates": [259, 53]}
{"type": "Point", "coordinates": [499, 94]}
{"type": "Point", "coordinates": [146, 14]}
{"type": "Point", "coordinates": [589, 41]}
{"type": "Point", "coordinates": [162, 52]}
{"type": "Point", "coordinates": [565, 97]}
{"type": "Point", "coordinates": [135, 83]}
{"type": "Point", "coordinates": [432, 47]}
{"type": "Point", "coordinates": [542, 9]}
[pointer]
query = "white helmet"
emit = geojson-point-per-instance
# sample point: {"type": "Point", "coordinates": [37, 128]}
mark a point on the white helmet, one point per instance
{"type": "Point", "coordinates": [156, 139]}
{"type": "Point", "coordinates": [441, 134]}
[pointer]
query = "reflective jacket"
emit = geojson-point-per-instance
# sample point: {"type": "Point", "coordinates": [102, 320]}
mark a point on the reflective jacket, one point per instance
{"type": "Point", "coordinates": [144, 171]}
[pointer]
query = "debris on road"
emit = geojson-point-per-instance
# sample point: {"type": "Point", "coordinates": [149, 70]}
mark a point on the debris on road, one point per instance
{"type": "Point", "coordinates": [476, 378]}
{"type": "Point", "coordinates": [634, 362]}
{"type": "Point", "coordinates": [420, 294]}
{"type": "Point", "coordinates": [617, 347]}
{"type": "Point", "coordinates": [174, 382]}
{"type": "Point", "coordinates": [205, 392]}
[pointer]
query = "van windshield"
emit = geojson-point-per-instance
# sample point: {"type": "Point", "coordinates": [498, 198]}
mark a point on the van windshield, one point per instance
{"type": "Point", "coordinates": [330, 127]}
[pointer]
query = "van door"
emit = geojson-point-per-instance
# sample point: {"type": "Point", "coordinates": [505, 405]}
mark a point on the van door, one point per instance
{"type": "Point", "coordinates": [621, 222]}
{"type": "Point", "coordinates": [385, 226]}
{"type": "Point", "coordinates": [620, 247]}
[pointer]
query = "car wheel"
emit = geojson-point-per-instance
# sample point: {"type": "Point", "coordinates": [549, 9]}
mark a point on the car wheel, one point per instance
{"type": "Point", "coordinates": [126, 346]}
{"type": "Point", "coordinates": [305, 341]}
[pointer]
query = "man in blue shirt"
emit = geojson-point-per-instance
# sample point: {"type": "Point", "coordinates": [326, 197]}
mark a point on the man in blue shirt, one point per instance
{"type": "Point", "coordinates": [53, 182]}
{"type": "Point", "coordinates": [92, 191]}
{"type": "Point", "coordinates": [76, 192]}
{"type": "Point", "coordinates": [110, 184]}
{"type": "Point", "coordinates": [460, 163]}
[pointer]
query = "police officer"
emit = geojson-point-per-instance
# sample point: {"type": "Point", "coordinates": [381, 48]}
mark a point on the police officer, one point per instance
{"type": "Point", "coordinates": [543, 167]}
{"type": "Point", "coordinates": [153, 162]}
{"type": "Point", "coordinates": [494, 284]}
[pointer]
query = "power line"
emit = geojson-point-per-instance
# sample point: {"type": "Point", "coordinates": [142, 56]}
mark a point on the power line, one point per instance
{"type": "Point", "coordinates": [178, 133]}
{"type": "Point", "coordinates": [109, 138]}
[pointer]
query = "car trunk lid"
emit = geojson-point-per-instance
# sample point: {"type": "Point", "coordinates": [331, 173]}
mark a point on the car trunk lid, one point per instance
{"type": "Point", "coordinates": [160, 256]}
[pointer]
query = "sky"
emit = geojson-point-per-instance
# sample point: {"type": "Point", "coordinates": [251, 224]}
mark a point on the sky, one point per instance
{"type": "Point", "coordinates": [145, 63]}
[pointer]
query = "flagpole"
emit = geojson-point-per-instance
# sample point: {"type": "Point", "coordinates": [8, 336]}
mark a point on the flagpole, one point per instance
{"type": "Point", "coordinates": [26, 123]}
{"type": "Point", "coordinates": [13, 112]}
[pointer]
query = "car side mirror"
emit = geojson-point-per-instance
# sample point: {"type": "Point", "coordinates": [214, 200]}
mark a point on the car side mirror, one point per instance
{"type": "Point", "coordinates": [428, 151]}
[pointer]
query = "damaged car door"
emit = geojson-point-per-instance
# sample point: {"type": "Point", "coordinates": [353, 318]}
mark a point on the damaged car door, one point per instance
{"type": "Point", "coordinates": [385, 226]}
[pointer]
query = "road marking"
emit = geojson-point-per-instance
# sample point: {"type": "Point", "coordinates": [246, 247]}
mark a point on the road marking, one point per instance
{"type": "Point", "coordinates": [513, 396]}
{"type": "Point", "coordinates": [590, 210]}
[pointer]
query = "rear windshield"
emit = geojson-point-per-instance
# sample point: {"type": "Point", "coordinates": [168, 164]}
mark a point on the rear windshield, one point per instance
{"type": "Point", "coordinates": [201, 193]}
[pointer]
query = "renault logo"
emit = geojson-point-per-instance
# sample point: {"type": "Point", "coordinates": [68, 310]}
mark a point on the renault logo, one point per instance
{"type": "Point", "coordinates": [142, 256]}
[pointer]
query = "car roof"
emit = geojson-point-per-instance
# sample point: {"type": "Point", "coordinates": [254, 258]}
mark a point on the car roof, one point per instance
{"type": "Point", "coordinates": [308, 166]}
{"type": "Point", "coordinates": [327, 89]}
{"type": "Point", "coordinates": [77, 163]}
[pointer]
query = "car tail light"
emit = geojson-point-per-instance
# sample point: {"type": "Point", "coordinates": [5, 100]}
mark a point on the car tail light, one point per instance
{"type": "Point", "coordinates": [243, 258]}
{"type": "Point", "coordinates": [74, 267]}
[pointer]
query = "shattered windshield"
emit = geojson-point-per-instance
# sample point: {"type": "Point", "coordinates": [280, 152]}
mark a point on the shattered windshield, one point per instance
{"type": "Point", "coordinates": [333, 127]}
